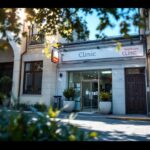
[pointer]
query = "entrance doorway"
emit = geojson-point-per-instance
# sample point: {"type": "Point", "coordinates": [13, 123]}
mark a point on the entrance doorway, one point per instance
{"type": "Point", "coordinates": [135, 91]}
{"type": "Point", "coordinates": [89, 95]}
{"type": "Point", "coordinates": [6, 69]}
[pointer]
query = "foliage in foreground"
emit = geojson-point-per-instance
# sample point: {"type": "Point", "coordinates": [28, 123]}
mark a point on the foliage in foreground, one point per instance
{"type": "Point", "coordinates": [66, 20]}
{"type": "Point", "coordinates": [27, 107]}
{"type": "Point", "coordinates": [39, 127]}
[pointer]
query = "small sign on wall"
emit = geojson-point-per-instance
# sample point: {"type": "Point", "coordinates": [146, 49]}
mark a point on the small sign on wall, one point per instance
{"type": "Point", "coordinates": [55, 56]}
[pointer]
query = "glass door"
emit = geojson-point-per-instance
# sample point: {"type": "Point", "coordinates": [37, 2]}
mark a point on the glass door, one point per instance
{"type": "Point", "coordinates": [89, 95]}
{"type": "Point", "coordinates": [95, 92]}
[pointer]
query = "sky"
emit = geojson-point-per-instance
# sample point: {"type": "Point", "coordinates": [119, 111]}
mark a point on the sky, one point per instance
{"type": "Point", "coordinates": [93, 20]}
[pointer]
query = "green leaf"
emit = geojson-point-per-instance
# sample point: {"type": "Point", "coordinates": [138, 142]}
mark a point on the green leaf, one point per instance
{"type": "Point", "coordinates": [118, 47]}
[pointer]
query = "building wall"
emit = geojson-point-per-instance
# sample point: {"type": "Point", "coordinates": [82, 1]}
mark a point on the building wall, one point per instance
{"type": "Point", "coordinates": [148, 84]}
{"type": "Point", "coordinates": [6, 56]}
{"type": "Point", "coordinates": [17, 50]}
{"type": "Point", "coordinates": [147, 36]}
{"type": "Point", "coordinates": [62, 83]}
{"type": "Point", "coordinates": [48, 78]}
{"type": "Point", "coordinates": [118, 90]}
{"type": "Point", "coordinates": [118, 78]}
{"type": "Point", "coordinates": [13, 55]}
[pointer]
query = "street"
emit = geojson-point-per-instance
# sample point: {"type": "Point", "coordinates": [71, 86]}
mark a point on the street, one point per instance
{"type": "Point", "coordinates": [112, 129]}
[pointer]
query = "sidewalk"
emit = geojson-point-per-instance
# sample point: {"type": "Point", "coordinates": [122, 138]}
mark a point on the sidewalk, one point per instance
{"type": "Point", "coordinates": [130, 117]}
{"type": "Point", "coordinates": [112, 127]}
{"type": "Point", "coordinates": [97, 116]}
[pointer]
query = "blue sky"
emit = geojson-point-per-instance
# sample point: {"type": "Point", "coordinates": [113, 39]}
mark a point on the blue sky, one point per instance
{"type": "Point", "coordinates": [93, 22]}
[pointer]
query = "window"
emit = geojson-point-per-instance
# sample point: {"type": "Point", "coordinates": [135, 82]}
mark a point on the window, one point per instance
{"type": "Point", "coordinates": [35, 37]}
{"type": "Point", "coordinates": [104, 77]}
{"type": "Point", "coordinates": [33, 77]}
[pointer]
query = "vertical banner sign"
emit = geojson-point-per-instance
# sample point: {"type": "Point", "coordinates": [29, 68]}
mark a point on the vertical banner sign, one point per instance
{"type": "Point", "coordinates": [55, 56]}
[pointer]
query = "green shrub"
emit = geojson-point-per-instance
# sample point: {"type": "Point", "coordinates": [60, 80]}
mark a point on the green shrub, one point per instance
{"type": "Point", "coordinates": [39, 127]}
{"type": "Point", "coordinates": [5, 85]}
{"type": "Point", "coordinates": [2, 98]}
{"type": "Point", "coordinates": [105, 96]}
{"type": "Point", "coordinates": [68, 93]}
{"type": "Point", "coordinates": [37, 106]}
{"type": "Point", "coordinates": [23, 106]}
{"type": "Point", "coordinates": [40, 107]}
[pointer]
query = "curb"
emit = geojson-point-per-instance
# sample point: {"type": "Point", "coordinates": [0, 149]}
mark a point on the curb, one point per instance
{"type": "Point", "coordinates": [130, 118]}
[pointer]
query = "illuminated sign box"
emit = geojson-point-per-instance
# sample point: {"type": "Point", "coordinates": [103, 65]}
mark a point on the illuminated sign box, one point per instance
{"type": "Point", "coordinates": [125, 51]}
{"type": "Point", "coordinates": [55, 56]}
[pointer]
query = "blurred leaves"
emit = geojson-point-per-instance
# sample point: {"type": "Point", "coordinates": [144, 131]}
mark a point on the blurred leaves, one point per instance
{"type": "Point", "coordinates": [9, 22]}
{"type": "Point", "coordinates": [4, 46]}
{"type": "Point", "coordinates": [68, 21]}
{"type": "Point", "coordinates": [47, 50]}
{"type": "Point", "coordinates": [118, 47]}
{"type": "Point", "coordinates": [52, 113]}
{"type": "Point", "coordinates": [93, 135]}
{"type": "Point", "coordinates": [35, 126]}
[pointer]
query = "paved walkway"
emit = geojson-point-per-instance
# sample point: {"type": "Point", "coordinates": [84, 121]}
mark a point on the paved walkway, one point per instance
{"type": "Point", "coordinates": [112, 129]}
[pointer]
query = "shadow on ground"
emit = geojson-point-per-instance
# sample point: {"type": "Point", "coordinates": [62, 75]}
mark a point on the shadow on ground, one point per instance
{"type": "Point", "coordinates": [119, 136]}
{"type": "Point", "coordinates": [112, 129]}
{"type": "Point", "coordinates": [97, 117]}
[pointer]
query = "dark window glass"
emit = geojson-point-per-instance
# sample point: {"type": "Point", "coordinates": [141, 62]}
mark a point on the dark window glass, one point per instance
{"type": "Point", "coordinates": [135, 71]}
{"type": "Point", "coordinates": [33, 77]}
{"type": "Point", "coordinates": [6, 69]}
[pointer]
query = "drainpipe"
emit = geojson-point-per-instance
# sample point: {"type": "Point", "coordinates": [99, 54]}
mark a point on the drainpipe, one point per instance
{"type": "Point", "coordinates": [20, 72]}
{"type": "Point", "coordinates": [148, 84]}
{"type": "Point", "coordinates": [147, 67]}
{"type": "Point", "coordinates": [147, 75]}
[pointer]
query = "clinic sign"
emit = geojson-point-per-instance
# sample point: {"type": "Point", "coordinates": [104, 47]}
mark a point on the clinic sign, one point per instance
{"type": "Point", "coordinates": [111, 52]}
{"type": "Point", "coordinates": [131, 51]}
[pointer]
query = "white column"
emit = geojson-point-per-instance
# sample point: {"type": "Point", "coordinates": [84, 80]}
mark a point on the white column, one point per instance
{"type": "Point", "coordinates": [16, 68]}
{"type": "Point", "coordinates": [15, 81]}
{"type": "Point", "coordinates": [118, 89]}
{"type": "Point", "coordinates": [61, 82]}
{"type": "Point", "coordinates": [48, 81]}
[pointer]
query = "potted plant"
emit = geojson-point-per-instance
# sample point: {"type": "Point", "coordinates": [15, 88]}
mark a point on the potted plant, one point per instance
{"type": "Point", "coordinates": [69, 103]}
{"type": "Point", "coordinates": [105, 102]}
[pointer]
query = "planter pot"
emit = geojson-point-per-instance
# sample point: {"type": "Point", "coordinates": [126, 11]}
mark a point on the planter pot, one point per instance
{"type": "Point", "coordinates": [68, 106]}
{"type": "Point", "coordinates": [105, 107]}
{"type": "Point", "coordinates": [77, 105]}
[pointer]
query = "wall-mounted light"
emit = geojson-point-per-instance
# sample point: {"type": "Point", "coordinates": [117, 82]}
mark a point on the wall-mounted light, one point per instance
{"type": "Point", "coordinates": [60, 75]}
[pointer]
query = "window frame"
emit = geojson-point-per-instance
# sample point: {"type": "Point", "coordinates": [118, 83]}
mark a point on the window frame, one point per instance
{"type": "Point", "coordinates": [33, 75]}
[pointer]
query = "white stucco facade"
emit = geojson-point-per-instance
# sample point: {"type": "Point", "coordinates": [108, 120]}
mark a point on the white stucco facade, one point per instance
{"type": "Point", "coordinates": [81, 56]}
{"type": "Point", "coordinates": [117, 65]}
{"type": "Point", "coordinates": [34, 53]}
{"type": "Point", "coordinates": [118, 79]}
{"type": "Point", "coordinates": [13, 55]}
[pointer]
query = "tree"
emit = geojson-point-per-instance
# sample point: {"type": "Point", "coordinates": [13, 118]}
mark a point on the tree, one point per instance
{"type": "Point", "coordinates": [66, 20]}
